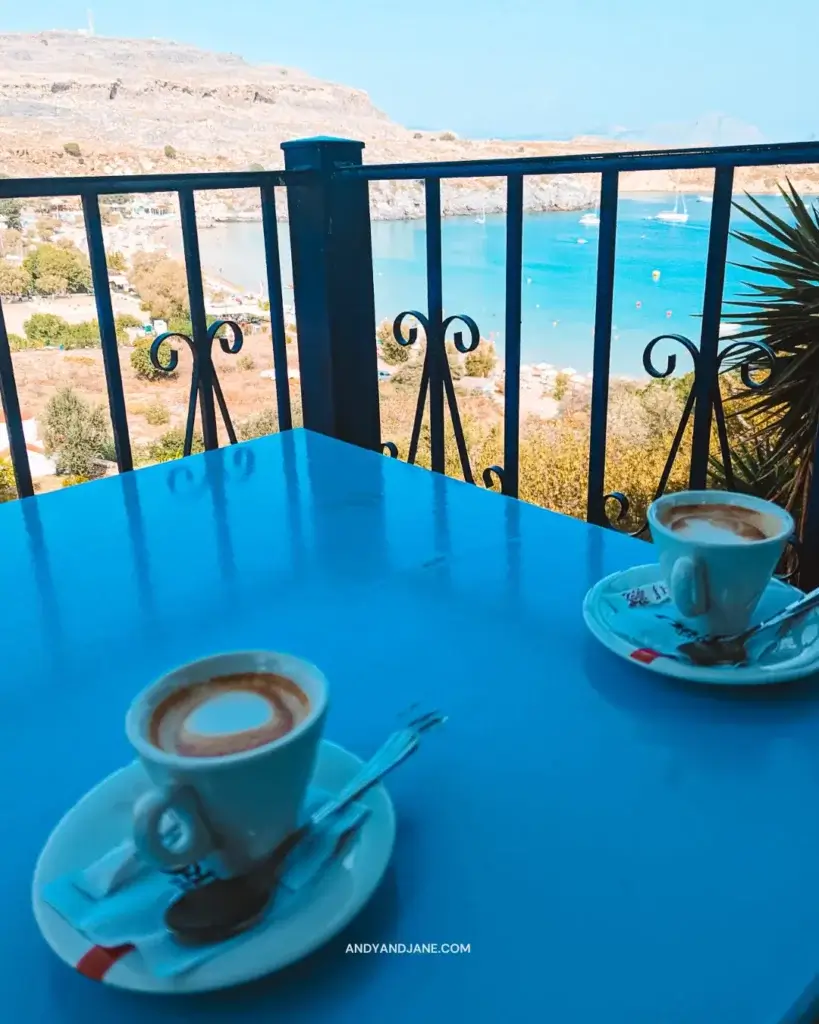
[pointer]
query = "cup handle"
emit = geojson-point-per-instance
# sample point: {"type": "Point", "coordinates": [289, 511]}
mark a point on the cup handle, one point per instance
{"type": "Point", "coordinates": [196, 841]}
{"type": "Point", "coordinates": [689, 586]}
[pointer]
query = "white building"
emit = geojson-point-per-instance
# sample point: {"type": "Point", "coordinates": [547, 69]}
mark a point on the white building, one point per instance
{"type": "Point", "coordinates": [39, 463]}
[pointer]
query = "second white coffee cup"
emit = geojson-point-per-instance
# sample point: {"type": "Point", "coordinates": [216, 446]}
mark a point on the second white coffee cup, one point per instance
{"type": "Point", "coordinates": [716, 575]}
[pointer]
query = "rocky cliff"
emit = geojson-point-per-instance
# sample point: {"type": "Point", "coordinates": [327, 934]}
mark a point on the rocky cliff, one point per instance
{"type": "Point", "coordinates": [123, 101]}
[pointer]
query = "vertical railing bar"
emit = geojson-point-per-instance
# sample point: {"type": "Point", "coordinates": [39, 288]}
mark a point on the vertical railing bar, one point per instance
{"type": "Point", "coordinates": [196, 296]}
{"type": "Point", "coordinates": [705, 378]}
{"type": "Point", "coordinates": [436, 343]}
{"type": "Point", "coordinates": [108, 331]}
{"type": "Point", "coordinates": [14, 419]}
{"type": "Point", "coordinates": [273, 268]}
{"type": "Point", "coordinates": [511, 383]}
{"type": "Point", "coordinates": [601, 365]}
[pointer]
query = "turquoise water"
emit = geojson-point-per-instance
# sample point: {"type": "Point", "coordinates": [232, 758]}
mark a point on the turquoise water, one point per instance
{"type": "Point", "coordinates": [559, 275]}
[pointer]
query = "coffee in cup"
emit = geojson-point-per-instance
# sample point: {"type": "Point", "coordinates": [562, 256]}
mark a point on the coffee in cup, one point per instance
{"type": "Point", "coordinates": [718, 551]}
{"type": "Point", "coordinates": [229, 745]}
{"type": "Point", "coordinates": [228, 714]}
{"type": "Point", "coordinates": [719, 522]}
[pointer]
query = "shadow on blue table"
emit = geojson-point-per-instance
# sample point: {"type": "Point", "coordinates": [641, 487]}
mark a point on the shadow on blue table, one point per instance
{"type": "Point", "coordinates": [731, 728]}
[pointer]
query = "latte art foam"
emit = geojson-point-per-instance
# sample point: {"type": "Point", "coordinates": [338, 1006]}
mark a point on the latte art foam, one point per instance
{"type": "Point", "coordinates": [719, 523]}
{"type": "Point", "coordinates": [228, 714]}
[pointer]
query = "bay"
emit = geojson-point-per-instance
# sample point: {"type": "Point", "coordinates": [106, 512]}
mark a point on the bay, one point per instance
{"type": "Point", "coordinates": [659, 281]}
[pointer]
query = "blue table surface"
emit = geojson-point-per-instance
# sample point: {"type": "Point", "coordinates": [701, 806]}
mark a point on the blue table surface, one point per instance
{"type": "Point", "coordinates": [613, 846]}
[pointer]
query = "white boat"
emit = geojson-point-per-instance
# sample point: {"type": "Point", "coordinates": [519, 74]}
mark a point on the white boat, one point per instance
{"type": "Point", "coordinates": [705, 199]}
{"type": "Point", "coordinates": [591, 220]}
{"type": "Point", "coordinates": [677, 215]}
{"type": "Point", "coordinates": [728, 330]}
{"type": "Point", "coordinates": [482, 218]}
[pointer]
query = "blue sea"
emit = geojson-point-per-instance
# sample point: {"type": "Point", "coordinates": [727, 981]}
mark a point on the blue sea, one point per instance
{"type": "Point", "coordinates": [559, 274]}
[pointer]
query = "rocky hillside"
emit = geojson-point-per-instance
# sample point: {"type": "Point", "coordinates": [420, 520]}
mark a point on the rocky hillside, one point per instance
{"type": "Point", "coordinates": [123, 101]}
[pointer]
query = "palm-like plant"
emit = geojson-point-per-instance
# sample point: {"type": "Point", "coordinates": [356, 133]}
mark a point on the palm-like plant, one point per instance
{"type": "Point", "coordinates": [783, 312]}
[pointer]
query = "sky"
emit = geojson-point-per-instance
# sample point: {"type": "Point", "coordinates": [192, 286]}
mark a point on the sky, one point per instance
{"type": "Point", "coordinates": [510, 68]}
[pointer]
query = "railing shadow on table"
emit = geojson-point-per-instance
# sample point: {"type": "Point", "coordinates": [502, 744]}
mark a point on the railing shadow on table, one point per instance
{"type": "Point", "coordinates": [327, 192]}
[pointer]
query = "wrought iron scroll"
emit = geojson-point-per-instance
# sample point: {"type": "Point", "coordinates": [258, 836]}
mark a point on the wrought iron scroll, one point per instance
{"type": "Point", "coordinates": [201, 353]}
{"type": "Point", "coordinates": [733, 356]}
{"type": "Point", "coordinates": [436, 379]}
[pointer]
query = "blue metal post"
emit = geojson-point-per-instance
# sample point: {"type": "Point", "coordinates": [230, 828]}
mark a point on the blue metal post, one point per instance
{"type": "Point", "coordinates": [511, 389]}
{"type": "Point", "coordinates": [13, 416]}
{"type": "Point", "coordinates": [108, 332]}
{"type": "Point", "coordinates": [278, 334]}
{"type": "Point", "coordinates": [705, 379]}
{"type": "Point", "coordinates": [331, 251]}
{"type": "Point", "coordinates": [595, 505]}
{"type": "Point", "coordinates": [435, 340]}
{"type": "Point", "coordinates": [199, 321]}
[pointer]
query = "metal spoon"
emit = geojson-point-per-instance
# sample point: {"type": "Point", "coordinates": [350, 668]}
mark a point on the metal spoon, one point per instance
{"type": "Point", "coordinates": [223, 908]}
{"type": "Point", "coordinates": [731, 650]}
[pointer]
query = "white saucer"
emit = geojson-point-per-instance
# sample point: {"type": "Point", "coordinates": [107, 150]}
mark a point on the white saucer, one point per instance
{"type": "Point", "coordinates": [102, 820]}
{"type": "Point", "coordinates": [637, 633]}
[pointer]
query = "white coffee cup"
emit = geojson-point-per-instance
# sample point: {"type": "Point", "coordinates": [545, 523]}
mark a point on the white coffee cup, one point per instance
{"type": "Point", "coordinates": [227, 809]}
{"type": "Point", "coordinates": [718, 551]}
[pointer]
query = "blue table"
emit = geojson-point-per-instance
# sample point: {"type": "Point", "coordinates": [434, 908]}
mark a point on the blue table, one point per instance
{"type": "Point", "coordinates": [613, 847]}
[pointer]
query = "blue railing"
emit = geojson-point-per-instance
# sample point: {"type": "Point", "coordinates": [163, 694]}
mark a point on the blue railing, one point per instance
{"type": "Point", "coordinates": [330, 240]}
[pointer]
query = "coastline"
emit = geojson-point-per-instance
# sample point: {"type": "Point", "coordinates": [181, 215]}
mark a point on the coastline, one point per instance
{"type": "Point", "coordinates": [479, 204]}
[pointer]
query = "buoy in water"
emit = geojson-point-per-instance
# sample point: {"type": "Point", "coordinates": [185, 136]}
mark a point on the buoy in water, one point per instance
{"type": "Point", "coordinates": [668, 312]}
{"type": "Point", "coordinates": [655, 275]}
{"type": "Point", "coordinates": [638, 304]}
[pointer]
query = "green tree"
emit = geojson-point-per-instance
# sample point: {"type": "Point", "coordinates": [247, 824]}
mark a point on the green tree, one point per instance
{"type": "Point", "coordinates": [170, 445]}
{"type": "Point", "coordinates": [17, 343]}
{"type": "Point", "coordinates": [8, 485]}
{"type": "Point", "coordinates": [116, 262]}
{"type": "Point", "coordinates": [44, 329]}
{"type": "Point", "coordinates": [482, 360]}
{"type": "Point", "coordinates": [72, 149]}
{"type": "Point", "coordinates": [48, 329]}
{"type": "Point", "coordinates": [392, 352]}
{"type": "Point", "coordinates": [263, 423]}
{"type": "Point", "coordinates": [781, 312]}
{"type": "Point", "coordinates": [156, 413]}
{"type": "Point", "coordinates": [45, 228]}
{"type": "Point", "coordinates": [12, 241]}
{"type": "Point", "coordinates": [15, 282]}
{"type": "Point", "coordinates": [10, 210]}
{"type": "Point", "coordinates": [58, 268]}
{"type": "Point", "coordinates": [125, 320]}
{"type": "Point", "coordinates": [75, 433]}
{"type": "Point", "coordinates": [162, 285]}
{"type": "Point", "coordinates": [82, 335]}
{"type": "Point", "coordinates": [170, 152]}
{"type": "Point", "coordinates": [560, 387]}
{"type": "Point", "coordinates": [141, 360]}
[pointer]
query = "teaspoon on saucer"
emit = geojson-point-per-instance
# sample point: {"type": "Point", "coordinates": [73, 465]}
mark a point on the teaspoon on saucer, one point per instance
{"type": "Point", "coordinates": [731, 650]}
{"type": "Point", "coordinates": [223, 908]}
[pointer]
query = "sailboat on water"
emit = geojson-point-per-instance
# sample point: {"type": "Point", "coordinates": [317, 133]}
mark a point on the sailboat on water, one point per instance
{"type": "Point", "coordinates": [482, 218]}
{"type": "Point", "coordinates": [591, 220]}
{"type": "Point", "coordinates": [677, 215]}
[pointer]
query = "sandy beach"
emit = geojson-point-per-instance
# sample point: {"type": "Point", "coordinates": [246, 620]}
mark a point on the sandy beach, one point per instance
{"type": "Point", "coordinates": [73, 308]}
